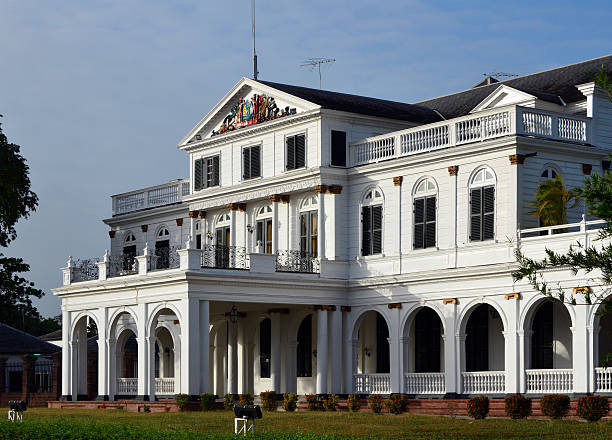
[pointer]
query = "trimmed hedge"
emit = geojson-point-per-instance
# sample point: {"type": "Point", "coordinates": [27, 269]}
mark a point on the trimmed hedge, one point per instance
{"type": "Point", "coordinates": [555, 406]}
{"type": "Point", "coordinates": [593, 408]}
{"type": "Point", "coordinates": [517, 406]}
{"type": "Point", "coordinates": [36, 430]}
{"type": "Point", "coordinates": [478, 407]}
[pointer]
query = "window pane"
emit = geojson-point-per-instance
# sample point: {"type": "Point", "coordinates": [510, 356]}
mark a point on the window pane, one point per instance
{"type": "Point", "coordinates": [338, 148]}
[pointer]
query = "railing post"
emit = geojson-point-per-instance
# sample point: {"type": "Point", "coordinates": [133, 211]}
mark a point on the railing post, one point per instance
{"type": "Point", "coordinates": [190, 259]}
{"type": "Point", "coordinates": [68, 272]}
{"type": "Point", "coordinates": [103, 267]}
{"type": "Point", "coordinates": [554, 126]}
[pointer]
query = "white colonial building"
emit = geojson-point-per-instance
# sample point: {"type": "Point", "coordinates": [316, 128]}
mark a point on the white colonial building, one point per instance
{"type": "Point", "coordinates": [327, 242]}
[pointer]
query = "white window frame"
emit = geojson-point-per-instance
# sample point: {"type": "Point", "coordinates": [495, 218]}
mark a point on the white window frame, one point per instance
{"type": "Point", "coordinates": [423, 194]}
{"type": "Point", "coordinates": [375, 200]}
{"type": "Point", "coordinates": [471, 185]}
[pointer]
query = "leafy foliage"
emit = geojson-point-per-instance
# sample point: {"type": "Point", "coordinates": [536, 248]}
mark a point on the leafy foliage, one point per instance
{"type": "Point", "coordinates": [290, 401]}
{"type": "Point", "coordinates": [593, 408]}
{"type": "Point", "coordinates": [228, 401]}
{"type": "Point", "coordinates": [555, 406]}
{"type": "Point", "coordinates": [353, 402]}
{"type": "Point", "coordinates": [206, 401]}
{"type": "Point", "coordinates": [478, 407]}
{"type": "Point", "coordinates": [181, 401]}
{"type": "Point", "coordinates": [268, 400]}
{"type": "Point", "coordinates": [397, 403]}
{"type": "Point", "coordinates": [517, 406]}
{"type": "Point", "coordinates": [246, 399]}
{"type": "Point", "coordinates": [552, 200]}
{"type": "Point", "coordinates": [331, 402]}
{"type": "Point", "coordinates": [376, 403]}
{"type": "Point", "coordinates": [312, 402]}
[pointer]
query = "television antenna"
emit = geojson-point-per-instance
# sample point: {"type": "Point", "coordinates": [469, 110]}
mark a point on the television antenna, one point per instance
{"type": "Point", "coordinates": [313, 63]}
{"type": "Point", "coordinates": [255, 72]}
{"type": "Point", "coordinates": [500, 75]}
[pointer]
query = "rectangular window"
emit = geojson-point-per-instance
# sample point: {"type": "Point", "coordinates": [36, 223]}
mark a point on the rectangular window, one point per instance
{"type": "Point", "coordinates": [206, 172]}
{"type": "Point", "coordinates": [338, 148]}
{"type": "Point", "coordinates": [129, 258]}
{"type": "Point", "coordinates": [371, 238]}
{"type": "Point", "coordinates": [251, 162]}
{"type": "Point", "coordinates": [424, 222]}
{"type": "Point", "coordinates": [308, 233]}
{"type": "Point", "coordinates": [482, 206]}
{"type": "Point", "coordinates": [264, 234]}
{"type": "Point", "coordinates": [295, 148]}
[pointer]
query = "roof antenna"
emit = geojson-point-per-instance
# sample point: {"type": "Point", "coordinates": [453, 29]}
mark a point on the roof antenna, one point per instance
{"type": "Point", "coordinates": [255, 72]}
{"type": "Point", "coordinates": [501, 75]}
{"type": "Point", "coordinates": [316, 62]}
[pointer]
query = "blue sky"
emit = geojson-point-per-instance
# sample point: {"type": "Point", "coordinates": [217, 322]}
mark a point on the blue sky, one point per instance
{"type": "Point", "coordinates": [99, 93]}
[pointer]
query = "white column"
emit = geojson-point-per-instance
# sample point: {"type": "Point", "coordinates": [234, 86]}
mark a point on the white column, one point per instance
{"type": "Point", "coordinates": [103, 355]}
{"type": "Point", "coordinates": [190, 346]}
{"type": "Point", "coordinates": [321, 190]}
{"type": "Point", "coordinates": [524, 358]}
{"type": "Point", "coordinates": [150, 353]}
{"type": "Point", "coordinates": [404, 346]}
{"type": "Point", "coordinates": [511, 353]}
{"type": "Point", "coordinates": [394, 351]}
{"type": "Point", "coordinates": [142, 317]}
{"type": "Point", "coordinates": [232, 227]}
{"type": "Point", "coordinates": [452, 366]}
{"type": "Point", "coordinates": [204, 346]}
{"type": "Point", "coordinates": [580, 353]}
{"type": "Point", "coordinates": [66, 356]}
{"type": "Point", "coordinates": [460, 365]}
{"type": "Point", "coordinates": [336, 351]}
{"type": "Point", "coordinates": [291, 366]}
{"type": "Point", "coordinates": [275, 199]}
{"type": "Point", "coordinates": [111, 345]}
{"type": "Point", "coordinates": [275, 352]}
{"type": "Point", "coordinates": [321, 386]}
{"type": "Point", "coordinates": [243, 382]}
{"type": "Point", "coordinates": [81, 368]}
{"type": "Point", "coordinates": [218, 366]}
{"type": "Point", "coordinates": [347, 386]}
{"type": "Point", "coordinates": [232, 359]}
{"type": "Point", "coordinates": [74, 377]}
{"type": "Point", "coordinates": [193, 218]}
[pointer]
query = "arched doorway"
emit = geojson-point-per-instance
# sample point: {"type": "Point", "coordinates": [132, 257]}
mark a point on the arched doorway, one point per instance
{"type": "Point", "coordinates": [424, 354]}
{"type": "Point", "coordinates": [549, 352]}
{"type": "Point", "coordinates": [84, 359]}
{"type": "Point", "coordinates": [371, 361]}
{"type": "Point", "coordinates": [483, 351]}
{"type": "Point", "coordinates": [165, 366]}
{"type": "Point", "coordinates": [602, 347]}
{"type": "Point", "coordinates": [305, 361]}
{"type": "Point", "coordinates": [123, 360]}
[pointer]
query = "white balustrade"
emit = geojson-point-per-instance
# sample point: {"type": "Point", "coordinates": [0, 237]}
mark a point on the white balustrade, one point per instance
{"type": "Point", "coordinates": [164, 385]}
{"type": "Point", "coordinates": [484, 382]}
{"type": "Point", "coordinates": [424, 383]}
{"type": "Point", "coordinates": [603, 380]}
{"type": "Point", "coordinates": [378, 383]}
{"type": "Point", "coordinates": [127, 386]}
{"type": "Point", "coordinates": [160, 195]}
{"type": "Point", "coordinates": [550, 381]}
{"type": "Point", "coordinates": [478, 127]}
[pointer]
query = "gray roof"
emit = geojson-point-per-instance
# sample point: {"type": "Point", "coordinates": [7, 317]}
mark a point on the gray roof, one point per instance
{"type": "Point", "coordinates": [360, 104]}
{"type": "Point", "coordinates": [53, 336]}
{"type": "Point", "coordinates": [13, 341]}
{"type": "Point", "coordinates": [548, 85]}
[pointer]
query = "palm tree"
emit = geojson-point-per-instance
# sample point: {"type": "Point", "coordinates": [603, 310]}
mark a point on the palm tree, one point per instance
{"type": "Point", "coordinates": [552, 200]}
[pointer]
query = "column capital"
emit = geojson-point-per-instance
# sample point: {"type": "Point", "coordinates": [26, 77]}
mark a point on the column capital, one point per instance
{"type": "Point", "coordinates": [513, 295]}
{"type": "Point", "coordinates": [516, 159]}
{"type": "Point", "coordinates": [193, 214]}
{"type": "Point", "coordinates": [397, 181]}
{"type": "Point", "coordinates": [275, 198]}
{"type": "Point", "coordinates": [179, 222]}
{"type": "Point", "coordinates": [335, 189]}
{"type": "Point", "coordinates": [284, 198]}
{"type": "Point", "coordinates": [453, 170]}
{"type": "Point", "coordinates": [345, 308]}
{"type": "Point", "coordinates": [144, 228]}
{"type": "Point", "coordinates": [321, 189]}
{"type": "Point", "coordinates": [202, 214]}
{"type": "Point", "coordinates": [449, 301]}
{"type": "Point", "coordinates": [237, 207]}
{"type": "Point", "coordinates": [327, 308]}
{"type": "Point", "coordinates": [112, 233]}
{"type": "Point", "coordinates": [392, 306]}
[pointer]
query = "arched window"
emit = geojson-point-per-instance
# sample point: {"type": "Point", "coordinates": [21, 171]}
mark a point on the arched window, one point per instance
{"type": "Point", "coordinates": [548, 172]}
{"type": "Point", "coordinates": [424, 209]}
{"type": "Point", "coordinates": [308, 227]}
{"type": "Point", "coordinates": [265, 347]}
{"type": "Point", "coordinates": [129, 252]}
{"type": "Point", "coordinates": [371, 222]}
{"type": "Point", "coordinates": [198, 236]}
{"type": "Point", "coordinates": [482, 205]}
{"type": "Point", "coordinates": [264, 228]}
{"type": "Point", "coordinates": [222, 230]}
{"type": "Point", "coordinates": [304, 348]}
{"type": "Point", "coordinates": [162, 248]}
{"type": "Point", "coordinates": [130, 237]}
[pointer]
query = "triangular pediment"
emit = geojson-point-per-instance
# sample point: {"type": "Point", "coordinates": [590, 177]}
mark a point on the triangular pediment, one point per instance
{"type": "Point", "coordinates": [505, 95]}
{"type": "Point", "coordinates": [248, 103]}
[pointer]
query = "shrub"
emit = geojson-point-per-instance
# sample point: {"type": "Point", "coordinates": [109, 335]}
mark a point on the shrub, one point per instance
{"type": "Point", "coordinates": [228, 401]}
{"type": "Point", "coordinates": [353, 402]}
{"type": "Point", "coordinates": [146, 408]}
{"type": "Point", "coordinates": [593, 408]}
{"type": "Point", "coordinates": [181, 401]}
{"type": "Point", "coordinates": [312, 402]}
{"type": "Point", "coordinates": [478, 407]}
{"type": "Point", "coordinates": [376, 403]}
{"type": "Point", "coordinates": [246, 399]}
{"type": "Point", "coordinates": [331, 402]}
{"type": "Point", "coordinates": [555, 406]}
{"type": "Point", "coordinates": [517, 406]}
{"type": "Point", "coordinates": [396, 403]}
{"type": "Point", "coordinates": [268, 400]}
{"type": "Point", "coordinates": [290, 401]}
{"type": "Point", "coordinates": [206, 401]}
{"type": "Point", "coordinates": [119, 407]}
{"type": "Point", "coordinates": [167, 409]}
{"type": "Point", "coordinates": [102, 406]}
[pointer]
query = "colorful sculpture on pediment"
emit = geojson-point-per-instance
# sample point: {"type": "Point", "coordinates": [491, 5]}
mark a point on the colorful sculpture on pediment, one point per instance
{"type": "Point", "coordinates": [257, 109]}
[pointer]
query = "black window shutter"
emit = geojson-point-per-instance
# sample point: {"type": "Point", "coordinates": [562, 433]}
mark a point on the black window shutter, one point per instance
{"type": "Point", "coordinates": [419, 223]}
{"type": "Point", "coordinates": [300, 151]}
{"type": "Point", "coordinates": [255, 161]}
{"type": "Point", "coordinates": [215, 160]}
{"type": "Point", "coordinates": [290, 148]}
{"type": "Point", "coordinates": [430, 222]}
{"type": "Point", "coordinates": [488, 205]}
{"type": "Point", "coordinates": [376, 229]}
{"type": "Point", "coordinates": [246, 163]}
{"type": "Point", "coordinates": [366, 226]}
{"type": "Point", "coordinates": [476, 214]}
{"type": "Point", "coordinates": [198, 174]}
{"type": "Point", "coordinates": [338, 148]}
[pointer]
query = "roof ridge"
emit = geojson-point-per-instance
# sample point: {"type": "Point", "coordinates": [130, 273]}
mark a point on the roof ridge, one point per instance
{"type": "Point", "coordinates": [514, 79]}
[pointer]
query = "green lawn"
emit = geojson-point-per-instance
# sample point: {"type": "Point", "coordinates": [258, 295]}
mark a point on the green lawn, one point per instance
{"type": "Point", "coordinates": [340, 425]}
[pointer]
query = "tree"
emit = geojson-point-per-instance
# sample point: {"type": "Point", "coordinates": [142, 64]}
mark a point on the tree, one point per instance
{"type": "Point", "coordinates": [552, 200]}
{"type": "Point", "coordinates": [17, 201]}
{"type": "Point", "coordinates": [593, 260]}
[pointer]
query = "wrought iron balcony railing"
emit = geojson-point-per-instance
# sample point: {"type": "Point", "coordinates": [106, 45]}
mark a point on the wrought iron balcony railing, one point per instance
{"type": "Point", "coordinates": [121, 265]}
{"type": "Point", "coordinates": [85, 270]}
{"type": "Point", "coordinates": [297, 261]}
{"type": "Point", "coordinates": [165, 258]}
{"type": "Point", "coordinates": [225, 257]}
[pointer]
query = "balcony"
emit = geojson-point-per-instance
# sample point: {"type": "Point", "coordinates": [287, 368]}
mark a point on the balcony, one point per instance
{"type": "Point", "coordinates": [297, 261]}
{"type": "Point", "coordinates": [224, 257]}
{"type": "Point", "coordinates": [485, 125]}
{"type": "Point", "coordinates": [152, 197]}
